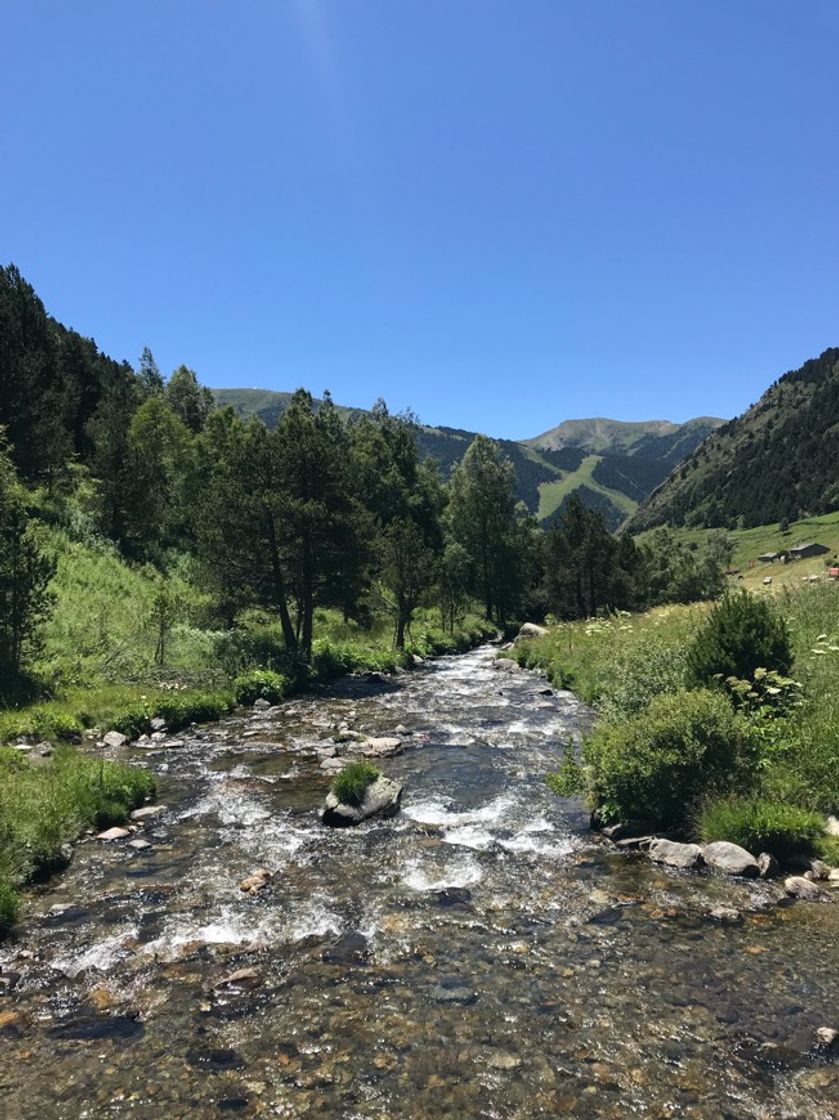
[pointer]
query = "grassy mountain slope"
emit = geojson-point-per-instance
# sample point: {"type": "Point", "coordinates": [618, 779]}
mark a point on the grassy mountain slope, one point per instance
{"type": "Point", "coordinates": [611, 464]}
{"type": "Point", "coordinates": [780, 459]}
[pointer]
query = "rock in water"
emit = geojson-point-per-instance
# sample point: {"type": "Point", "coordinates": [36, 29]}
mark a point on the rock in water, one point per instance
{"type": "Point", "coordinates": [769, 866]}
{"type": "Point", "coordinates": [731, 859]}
{"type": "Point", "coordinates": [255, 882]}
{"type": "Point", "coordinates": [115, 739]}
{"type": "Point", "coordinates": [685, 856]}
{"type": "Point", "coordinates": [799, 887]}
{"type": "Point", "coordinates": [381, 747]}
{"type": "Point", "coordinates": [381, 799]}
{"type": "Point", "coordinates": [115, 833]}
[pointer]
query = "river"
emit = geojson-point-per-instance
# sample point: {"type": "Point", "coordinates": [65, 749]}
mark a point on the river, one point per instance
{"type": "Point", "coordinates": [480, 955]}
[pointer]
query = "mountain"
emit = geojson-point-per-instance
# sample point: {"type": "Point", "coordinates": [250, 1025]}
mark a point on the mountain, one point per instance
{"type": "Point", "coordinates": [611, 464]}
{"type": "Point", "coordinates": [779, 460]}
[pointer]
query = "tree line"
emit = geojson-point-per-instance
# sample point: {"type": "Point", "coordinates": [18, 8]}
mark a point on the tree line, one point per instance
{"type": "Point", "coordinates": [321, 511]}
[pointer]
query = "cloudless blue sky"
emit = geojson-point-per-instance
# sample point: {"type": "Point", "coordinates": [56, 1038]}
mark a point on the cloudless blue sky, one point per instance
{"type": "Point", "coordinates": [502, 214]}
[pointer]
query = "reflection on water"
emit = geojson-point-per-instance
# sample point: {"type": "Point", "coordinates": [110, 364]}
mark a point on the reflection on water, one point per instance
{"type": "Point", "coordinates": [478, 955]}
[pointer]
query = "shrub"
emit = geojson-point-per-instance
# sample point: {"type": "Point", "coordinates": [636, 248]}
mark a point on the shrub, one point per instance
{"type": "Point", "coordinates": [760, 825]}
{"type": "Point", "coordinates": [350, 785]}
{"type": "Point", "coordinates": [260, 684]}
{"type": "Point", "coordinates": [9, 905]}
{"type": "Point", "coordinates": [655, 765]}
{"type": "Point", "coordinates": [569, 779]}
{"type": "Point", "coordinates": [741, 634]}
{"type": "Point", "coordinates": [641, 670]}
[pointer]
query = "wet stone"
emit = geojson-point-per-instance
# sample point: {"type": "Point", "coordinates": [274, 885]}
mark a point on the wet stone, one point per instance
{"type": "Point", "coordinates": [350, 949]}
{"type": "Point", "coordinates": [119, 1028]}
{"type": "Point", "coordinates": [215, 1060]}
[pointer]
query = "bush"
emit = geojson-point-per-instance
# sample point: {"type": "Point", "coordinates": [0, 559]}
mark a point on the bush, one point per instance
{"type": "Point", "coordinates": [742, 634]}
{"type": "Point", "coordinates": [9, 905]}
{"type": "Point", "coordinates": [350, 785]}
{"type": "Point", "coordinates": [761, 826]}
{"type": "Point", "coordinates": [260, 684]}
{"type": "Point", "coordinates": [656, 765]}
{"type": "Point", "coordinates": [641, 670]}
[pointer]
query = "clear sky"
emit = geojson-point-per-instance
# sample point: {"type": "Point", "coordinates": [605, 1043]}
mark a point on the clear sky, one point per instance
{"type": "Point", "coordinates": [502, 214]}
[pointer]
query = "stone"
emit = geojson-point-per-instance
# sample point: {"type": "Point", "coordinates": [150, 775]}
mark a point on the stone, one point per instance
{"type": "Point", "coordinates": [23, 747]}
{"type": "Point", "coordinates": [819, 869]}
{"type": "Point", "coordinates": [381, 747]}
{"type": "Point", "coordinates": [158, 736]}
{"type": "Point", "coordinates": [669, 852]}
{"type": "Point", "coordinates": [249, 977]}
{"type": "Point", "coordinates": [402, 730]}
{"type": "Point", "coordinates": [332, 765]}
{"type": "Point", "coordinates": [621, 830]}
{"type": "Point", "coordinates": [261, 704]}
{"type": "Point", "coordinates": [727, 915]}
{"type": "Point", "coordinates": [147, 811]}
{"type": "Point", "coordinates": [730, 859]}
{"type": "Point", "coordinates": [113, 834]}
{"type": "Point", "coordinates": [529, 630]}
{"type": "Point", "coordinates": [832, 826]}
{"type": "Point", "coordinates": [799, 887]}
{"type": "Point", "coordinates": [634, 843]}
{"type": "Point", "coordinates": [157, 723]}
{"type": "Point", "coordinates": [506, 665]}
{"type": "Point", "coordinates": [381, 799]}
{"type": "Point", "coordinates": [174, 743]}
{"type": "Point", "coordinates": [416, 660]}
{"type": "Point", "coordinates": [349, 949]}
{"type": "Point", "coordinates": [138, 844]}
{"type": "Point", "coordinates": [827, 1038]}
{"type": "Point", "coordinates": [255, 882]}
{"type": "Point", "coordinates": [768, 866]}
{"type": "Point", "coordinates": [504, 1060]}
{"type": "Point", "coordinates": [115, 739]}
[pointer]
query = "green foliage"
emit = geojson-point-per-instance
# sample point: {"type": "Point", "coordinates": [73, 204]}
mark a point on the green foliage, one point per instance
{"type": "Point", "coordinates": [260, 684]}
{"type": "Point", "coordinates": [44, 807]}
{"type": "Point", "coordinates": [742, 634]}
{"type": "Point", "coordinates": [569, 780]}
{"type": "Point", "coordinates": [351, 783]}
{"type": "Point", "coordinates": [656, 765]}
{"type": "Point", "coordinates": [760, 825]}
{"type": "Point", "coordinates": [640, 670]}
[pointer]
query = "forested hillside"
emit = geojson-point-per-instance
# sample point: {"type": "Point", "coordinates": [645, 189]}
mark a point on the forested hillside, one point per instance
{"type": "Point", "coordinates": [609, 465]}
{"type": "Point", "coordinates": [778, 461]}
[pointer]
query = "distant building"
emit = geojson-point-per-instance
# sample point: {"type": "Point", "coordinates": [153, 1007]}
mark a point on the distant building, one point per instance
{"type": "Point", "coordinates": [833, 573]}
{"type": "Point", "coordinates": [769, 557]}
{"type": "Point", "coordinates": [802, 551]}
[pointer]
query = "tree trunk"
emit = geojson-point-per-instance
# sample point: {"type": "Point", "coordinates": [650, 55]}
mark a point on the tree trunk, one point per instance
{"type": "Point", "coordinates": [289, 637]}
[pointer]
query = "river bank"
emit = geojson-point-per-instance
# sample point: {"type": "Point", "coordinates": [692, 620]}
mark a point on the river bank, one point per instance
{"type": "Point", "coordinates": [476, 955]}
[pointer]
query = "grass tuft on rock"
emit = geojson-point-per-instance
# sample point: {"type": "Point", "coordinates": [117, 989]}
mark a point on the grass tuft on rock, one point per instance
{"type": "Point", "coordinates": [350, 785]}
{"type": "Point", "coordinates": [761, 825]}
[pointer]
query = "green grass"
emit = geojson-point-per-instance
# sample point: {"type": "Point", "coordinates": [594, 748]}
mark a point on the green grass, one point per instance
{"type": "Point", "coordinates": [552, 494]}
{"type": "Point", "coordinates": [43, 807]}
{"type": "Point", "coordinates": [760, 825]}
{"type": "Point", "coordinates": [350, 785]}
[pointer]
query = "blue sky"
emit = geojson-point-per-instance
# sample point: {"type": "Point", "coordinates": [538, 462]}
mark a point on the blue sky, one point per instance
{"type": "Point", "coordinates": [500, 214]}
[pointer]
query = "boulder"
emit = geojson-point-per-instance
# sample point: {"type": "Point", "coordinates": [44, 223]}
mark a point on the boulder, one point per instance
{"type": "Point", "coordinates": [506, 664]}
{"type": "Point", "coordinates": [113, 834]}
{"type": "Point", "coordinates": [261, 704]}
{"type": "Point", "coordinates": [147, 812]}
{"type": "Point", "coordinates": [768, 866]}
{"type": "Point", "coordinates": [684, 856]}
{"type": "Point", "coordinates": [381, 799]}
{"type": "Point", "coordinates": [730, 859]}
{"type": "Point", "coordinates": [799, 887]}
{"type": "Point", "coordinates": [158, 723]}
{"type": "Point", "coordinates": [819, 869]}
{"type": "Point", "coordinates": [381, 747]}
{"type": "Point", "coordinates": [827, 1038]}
{"type": "Point", "coordinates": [529, 630]}
{"type": "Point", "coordinates": [115, 739]}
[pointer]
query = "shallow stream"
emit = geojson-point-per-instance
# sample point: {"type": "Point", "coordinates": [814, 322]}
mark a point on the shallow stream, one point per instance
{"type": "Point", "coordinates": [480, 955]}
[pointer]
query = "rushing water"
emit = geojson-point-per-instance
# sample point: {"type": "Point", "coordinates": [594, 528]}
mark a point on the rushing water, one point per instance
{"type": "Point", "coordinates": [478, 956]}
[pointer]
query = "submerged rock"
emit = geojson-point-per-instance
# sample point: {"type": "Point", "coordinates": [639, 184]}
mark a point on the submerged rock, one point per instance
{"type": "Point", "coordinates": [381, 799]}
{"type": "Point", "coordinates": [730, 859]}
{"type": "Point", "coordinates": [669, 852]}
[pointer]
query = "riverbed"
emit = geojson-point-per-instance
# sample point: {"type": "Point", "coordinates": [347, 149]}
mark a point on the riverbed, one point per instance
{"type": "Point", "coordinates": [480, 955]}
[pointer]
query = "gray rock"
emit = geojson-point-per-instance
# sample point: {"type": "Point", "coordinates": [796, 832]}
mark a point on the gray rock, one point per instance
{"type": "Point", "coordinates": [827, 1038]}
{"type": "Point", "coordinates": [731, 859]}
{"type": "Point", "coordinates": [768, 866]}
{"type": "Point", "coordinates": [138, 844]}
{"type": "Point", "coordinates": [115, 739]}
{"type": "Point", "coordinates": [725, 914]}
{"type": "Point", "coordinates": [332, 765]}
{"type": "Point", "coordinates": [382, 747]}
{"type": "Point", "coordinates": [416, 660]}
{"type": "Point", "coordinates": [158, 724]}
{"type": "Point", "coordinates": [506, 664]}
{"type": "Point", "coordinates": [819, 869]}
{"type": "Point", "coordinates": [529, 630]}
{"type": "Point", "coordinates": [381, 799]}
{"type": "Point", "coordinates": [685, 856]}
{"type": "Point", "coordinates": [634, 843]}
{"type": "Point", "coordinates": [799, 887]}
{"type": "Point", "coordinates": [147, 812]}
{"type": "Point", "coordinates": [113, 834]}
{"type": "Point", "coordinates": [261, 704]}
